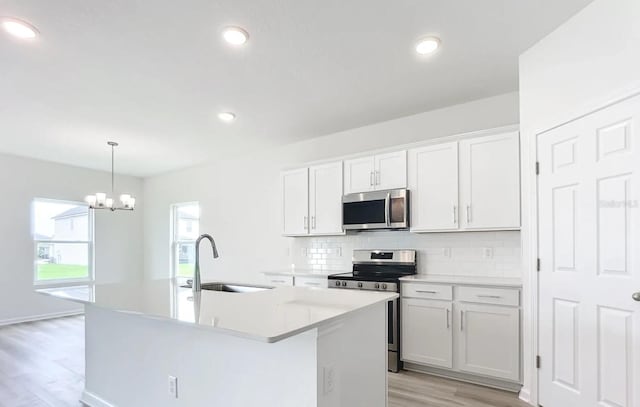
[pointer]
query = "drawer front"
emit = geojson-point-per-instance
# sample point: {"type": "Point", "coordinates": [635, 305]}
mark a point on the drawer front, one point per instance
{"type": "Point", "coordinates": [316, 282]}
{"type": "Point", "coordinates": [280, 280]}
{"type": "Point", "coordinates": [488, 295]}
{"type": "Point", "coordinates": [429, 291]}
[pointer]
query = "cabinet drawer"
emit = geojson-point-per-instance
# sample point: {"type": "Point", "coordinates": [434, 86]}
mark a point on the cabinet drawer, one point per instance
{"type": "Point", "coordinates": [487, 295]}
{"type": "Point", "coordinates": [280, 280]}
{"type": "Point", "coordinates": [317, 282]}
{"type": "Point", "coordinates": [429, 291]}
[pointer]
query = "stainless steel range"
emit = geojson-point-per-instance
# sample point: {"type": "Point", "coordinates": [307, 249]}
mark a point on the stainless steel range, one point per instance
{"type": "Point", "coordinates": [380, 270]}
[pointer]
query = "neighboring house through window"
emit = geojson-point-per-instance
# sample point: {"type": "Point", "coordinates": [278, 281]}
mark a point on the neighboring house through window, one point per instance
{"type": "Point", "coordinates": [185, 220]}
{"type": "Point", "coordinates": [63, 237]}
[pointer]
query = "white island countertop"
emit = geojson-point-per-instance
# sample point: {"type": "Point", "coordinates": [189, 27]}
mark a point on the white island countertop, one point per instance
{"type": "Point", "coordinates": [470, 280]}
{"type": "Point", "coordinates": [268, 316]}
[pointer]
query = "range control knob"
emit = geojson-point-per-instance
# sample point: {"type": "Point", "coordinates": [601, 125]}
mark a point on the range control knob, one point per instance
{"type": "Point", "coordinates": [344, 283]}
{"type": "Point", "coordinates": [377, 285]}
{"type": "Point", "coordinates": [337, 283]}
{"type": "Point", "coordinates": [359, 285]}
{"type": "Point", "coordinates": [384, 286]}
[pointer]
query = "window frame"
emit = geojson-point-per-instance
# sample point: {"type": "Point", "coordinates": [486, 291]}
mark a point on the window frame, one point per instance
{"type": "Point", "coordinates": [174, 257]}
{"type": "Point", "coordinates": [90, 279]}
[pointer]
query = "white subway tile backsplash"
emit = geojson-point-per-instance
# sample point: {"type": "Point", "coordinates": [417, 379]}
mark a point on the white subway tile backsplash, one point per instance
{"type": "Point", "coordinates": [460, 253]}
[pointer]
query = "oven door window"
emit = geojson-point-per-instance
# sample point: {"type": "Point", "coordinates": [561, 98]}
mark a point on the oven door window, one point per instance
{"type": "Point", "coordinates": [360, 213]}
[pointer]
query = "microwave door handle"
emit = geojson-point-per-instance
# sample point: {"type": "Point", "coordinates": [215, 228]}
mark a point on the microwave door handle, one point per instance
{"type": "Point", "coordinates": [387, 208]}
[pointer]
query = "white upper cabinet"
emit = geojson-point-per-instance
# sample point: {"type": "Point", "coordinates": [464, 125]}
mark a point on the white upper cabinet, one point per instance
{"type": "Point", "coordinates": [490, 182]}
{"type": "Point", "coordinates": [325, 198]}
{"type": "Point", "coordinates": [473, 184]}
{"type": "Point", "coordinates": [391, 170]}
{"type": "Point", "coordinates": [295, 202]}
{"type": "Point", "coordinates": [359, 175]}
{"type": "Point", "coordinates": [379, 172]}
{"type": "Point", "coordinates": [312, 200]}
{"type": "Point", "coordinates": [433, 181]}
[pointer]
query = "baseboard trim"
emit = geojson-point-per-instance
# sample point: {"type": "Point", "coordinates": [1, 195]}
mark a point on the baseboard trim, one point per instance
{"type": "Point", "coordinates": [12, 321]}
{"type": "Point", "coordinates": [525, 395]}
{"type": "Point", "coordinates": [92, 400]}
{"type": "Point", "coordinates": [463, 377]}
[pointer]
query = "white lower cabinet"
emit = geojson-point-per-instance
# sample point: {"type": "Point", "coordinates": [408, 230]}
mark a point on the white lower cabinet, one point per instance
{"type": "Point", "coordinates": [311, 281]}
{"type": "Point", "coordinates": [426, 332]}
{"type": "Point", "coordinates": [489, 340]}
{"type": "Point", "coordinates": [473, 333]}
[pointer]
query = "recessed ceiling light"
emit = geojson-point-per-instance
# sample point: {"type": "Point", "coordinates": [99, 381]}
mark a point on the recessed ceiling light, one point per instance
{"type": "Point", "coordinates": [427, 45]}
{"type": "Point", "coordinates": [226, 116]}
{"type": "Point", "coordinates": [18, 28]}
{"type": "Point", "coordinates": [235, 35]}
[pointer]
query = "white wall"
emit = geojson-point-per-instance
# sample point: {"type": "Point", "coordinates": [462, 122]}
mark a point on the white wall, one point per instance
{"type": "Point", "coordinates": [590, 60]}
{"type": "Point", "coordinates": [118, 236]}
{"type": "Point", "coordinates": [239, 197]}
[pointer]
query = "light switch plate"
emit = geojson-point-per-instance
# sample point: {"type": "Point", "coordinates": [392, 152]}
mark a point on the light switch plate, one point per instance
{"type": "Point", "coordinates": [173, 386]}
{"type": "Point", "coordinates": [487, 252]}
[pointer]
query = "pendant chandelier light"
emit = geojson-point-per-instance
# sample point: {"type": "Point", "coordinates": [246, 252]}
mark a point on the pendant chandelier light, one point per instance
{"type": "Point", "coordinates": [101, 201]}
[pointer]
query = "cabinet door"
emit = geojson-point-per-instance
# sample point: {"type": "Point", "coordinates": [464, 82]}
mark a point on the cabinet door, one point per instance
{"type": "Point", "coordinates": [312, 281]}
{"type": "Point", "coordinates": [359, 175]}
{"type": "Point", "coordinates": [488, 340]}
{"type": "Point", "coordinates": [391, 170]}
{"type": "Point", "coordinates": [490, 182]}
{"type": "Point", "coordinates": [433, 181]}
{"type": "Point", "coordinates": [325, 199]}
{"type": "Point", "coordinates": [426, 332]}
{"type": "Point", "coordinates": [295, 202]}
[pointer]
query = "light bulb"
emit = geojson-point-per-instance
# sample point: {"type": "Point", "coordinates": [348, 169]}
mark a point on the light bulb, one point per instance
{"type": "Point", "coordinates": [124, 198]}
{"type": "Point", "coordinates": [132, 202]}
{"type": "Point", "coordinates": [100, 198]}
{"type": "Point", "coordinates": [427, 45]}
{"type": "Point", "coordinates": [235, 35]}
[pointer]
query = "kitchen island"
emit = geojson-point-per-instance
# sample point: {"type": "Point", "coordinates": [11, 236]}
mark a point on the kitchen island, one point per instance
{"type": "Point", "coordinates": [155, 343]}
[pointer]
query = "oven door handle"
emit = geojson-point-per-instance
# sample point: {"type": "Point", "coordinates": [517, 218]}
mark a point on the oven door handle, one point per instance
{"type": "Point", "coordinates": [387, 209]}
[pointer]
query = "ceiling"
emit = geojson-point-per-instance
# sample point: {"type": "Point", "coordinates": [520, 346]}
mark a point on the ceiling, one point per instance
{"type": "Point", "coordinates": [153, 74]}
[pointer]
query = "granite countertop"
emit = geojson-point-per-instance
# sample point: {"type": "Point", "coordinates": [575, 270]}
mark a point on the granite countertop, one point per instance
{"type": "Point", "coordinates": [268, 316]}
{"type": "Point", "coordinates": [470, 280]}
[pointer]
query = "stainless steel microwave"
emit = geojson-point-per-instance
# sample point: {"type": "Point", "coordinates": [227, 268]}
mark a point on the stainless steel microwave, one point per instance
{"type": "Point", "coordinates": [376, 210]}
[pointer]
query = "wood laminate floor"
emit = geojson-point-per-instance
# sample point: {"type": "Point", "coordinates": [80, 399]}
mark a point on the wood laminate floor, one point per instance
{"type": "Point", "coordinates": [42, 364]}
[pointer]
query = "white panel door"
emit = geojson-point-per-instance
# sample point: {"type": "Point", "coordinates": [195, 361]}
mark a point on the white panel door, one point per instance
{"type": "Point", "coordinates": [391, 170]}
{"type": "Point", "coordinates": [325, 199]}
{"type": "Point", "coordinates": [589, 223]}
{"type": "Point", "coordinates": [488, 340]}
{"type": "Point", "coordinates": [433, 181]}
{"type": "Point", "coordinates": [426, 332]}
{"type": "Point", "coordinates": [490, 182]}
{"type": "Point", "coordinates": [359, 175]}
{"type": "Point", "coordinates": [295, 202]}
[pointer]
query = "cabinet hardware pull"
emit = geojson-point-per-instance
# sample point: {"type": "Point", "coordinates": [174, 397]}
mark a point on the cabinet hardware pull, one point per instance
{"type": "Point", "coordinates": [277, 281]}
{"type": "Point", "coordinates": [306, 222]}
{"type": "Point", "coordinates": [488, 296]}
{"type": "Point", "coordinates": [426, 292]}
{"type": "Point", "coordinates": [313, 222]}
{"type": "Point", "coordinates": [310, 283]}
{"type": "Point", "coordinates": [461, 320]}
{"type": "Point", "coordinates": [446, 317]}
{"type": "Point", "coordinates": [636, 296]}
{"type": "Point", "coordinates": [377, 177]}
{"type": "Point", "coordinates": [371, 178]}
{"type": "Point", "coordinates": [468, 213]}
{"type": "Point", "coordinates": [455, 217]}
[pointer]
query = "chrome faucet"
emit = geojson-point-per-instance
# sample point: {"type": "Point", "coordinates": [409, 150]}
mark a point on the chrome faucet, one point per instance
{"type": "Point", "coordinates": [196, 273]}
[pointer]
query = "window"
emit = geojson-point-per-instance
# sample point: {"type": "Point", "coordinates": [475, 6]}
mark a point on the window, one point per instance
{"type": "Point", "coordinates": [63, 240]}
{"type": "Point", "coordinates": [185, 231]}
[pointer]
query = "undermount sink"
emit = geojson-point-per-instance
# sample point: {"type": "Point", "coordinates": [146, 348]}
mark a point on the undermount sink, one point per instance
{"type": "Point", "coordinates": [232, 288]}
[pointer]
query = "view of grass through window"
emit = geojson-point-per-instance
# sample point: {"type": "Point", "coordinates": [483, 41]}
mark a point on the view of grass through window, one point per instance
{"type": "Point", "coordinates": [186, 229]}
{"type": "Point", "coordinates": [62, 233]}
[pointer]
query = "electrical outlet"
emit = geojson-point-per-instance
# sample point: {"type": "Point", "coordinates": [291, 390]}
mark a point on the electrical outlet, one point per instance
{"type": "Point", "coordinates": [446, 252]}
{"type": "Point", "coordinates": [329, 379]}
{"type": "Point", "coordinates": [173, 386]}
{"type": "Point", "coordinates": [487, 252]}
